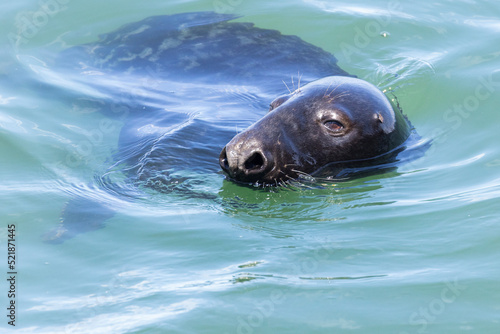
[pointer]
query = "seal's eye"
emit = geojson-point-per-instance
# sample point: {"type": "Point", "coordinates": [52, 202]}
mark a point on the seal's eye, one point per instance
{"type": "Point", "coordinates": [334, 126]}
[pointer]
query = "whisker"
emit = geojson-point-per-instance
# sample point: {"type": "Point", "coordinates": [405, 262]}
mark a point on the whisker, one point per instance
{"type": "Point", "coordinates": [288, 165]}
{"type": "Point", "coordinates": [287, 87]}
{"type": "Point", "coordinates": [327, 88]}
{"type": "Point", "coordinates": [282, 172]}
{"type": "Point", "coordinates": [307, 176]}
{"type": "Point", "coordinates": [300, 77]}
{"type": "Point", "coordinates": [326, 91]}
{"type": "Point", "coordinates": [300, 172]}
{"type": "Point", "coordinates": [339, 96]}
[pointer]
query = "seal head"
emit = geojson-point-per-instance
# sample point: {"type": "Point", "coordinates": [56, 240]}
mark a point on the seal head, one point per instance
{"type": "Point", "coordinates": [332, 120]}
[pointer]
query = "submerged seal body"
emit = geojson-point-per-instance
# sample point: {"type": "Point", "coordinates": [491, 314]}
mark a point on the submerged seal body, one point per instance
{"type": "Point", "coordinates": [332, 121]}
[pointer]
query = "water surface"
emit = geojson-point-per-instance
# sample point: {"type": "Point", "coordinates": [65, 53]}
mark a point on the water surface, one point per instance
{"type": "Point", "coordinates": [410, 251]}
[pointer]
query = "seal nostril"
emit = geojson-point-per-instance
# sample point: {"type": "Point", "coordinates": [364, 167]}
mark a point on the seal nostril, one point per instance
{"type": "Point", "coordinates": [256, 161]}
{"type": "Point", "coordinates": [223, 160]}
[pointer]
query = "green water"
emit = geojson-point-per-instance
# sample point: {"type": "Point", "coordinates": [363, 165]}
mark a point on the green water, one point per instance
{"type": "Point", "coordinates": [411, 251]}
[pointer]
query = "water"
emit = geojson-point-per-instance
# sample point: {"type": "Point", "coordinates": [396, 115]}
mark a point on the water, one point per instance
{"type": "Point", "coordinates": [410, 251]}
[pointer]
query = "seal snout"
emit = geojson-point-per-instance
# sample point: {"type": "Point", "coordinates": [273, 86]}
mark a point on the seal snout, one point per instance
{"type": "Point", "coordinates": [246, 164]}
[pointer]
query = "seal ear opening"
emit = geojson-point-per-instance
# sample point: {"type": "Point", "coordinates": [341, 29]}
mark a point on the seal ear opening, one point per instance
{"type": "Point", "coordinates": [224, 164]}
{"type": "Point", "coordinates": [380, 118]}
